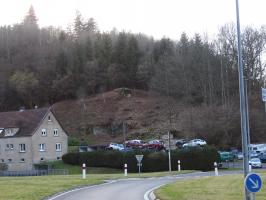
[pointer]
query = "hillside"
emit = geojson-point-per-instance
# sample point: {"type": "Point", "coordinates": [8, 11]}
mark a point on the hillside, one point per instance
{"type": "Point", "coordinates": [99, 119]}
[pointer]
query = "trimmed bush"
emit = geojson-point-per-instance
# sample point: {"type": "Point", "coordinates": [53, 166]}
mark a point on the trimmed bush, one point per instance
{"type": "Point", "coordinates": [199, 158]}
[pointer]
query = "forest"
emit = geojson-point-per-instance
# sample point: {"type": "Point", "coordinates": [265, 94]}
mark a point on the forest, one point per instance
{"type": "Point", "coordinates": [41, 66]}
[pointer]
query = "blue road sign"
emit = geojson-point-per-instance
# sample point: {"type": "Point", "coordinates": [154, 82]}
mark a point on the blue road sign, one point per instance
{"type": "Point", "coordinates": [253, 182]}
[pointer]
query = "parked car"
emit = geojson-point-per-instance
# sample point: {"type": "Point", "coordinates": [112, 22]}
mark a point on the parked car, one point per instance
{"type": "Point", "coordinates": [195, 142]}
{"type": "Point", "coordinates": [240, 156]}
{"type": "Point", "coordinates": [135, 144]}
{"type": "Point", "coordinates": [263, 158]}
{"type": "Point", "coordinates": [258, 148]}
{"type": "Point", "coordinates": [234, 151]}
{"type": "Point", "coordinates": [226, 156]}
{"type": "Point", "coordinates": [253, 154]}
{"type": "Point", "coordinates": [179, 143]}
{"type": "Point", "coordinates": [116, 146]}
{"type": "Point", "coordinates": [155, 144]}
{"type": "Point", "coordinates": [255, 163]}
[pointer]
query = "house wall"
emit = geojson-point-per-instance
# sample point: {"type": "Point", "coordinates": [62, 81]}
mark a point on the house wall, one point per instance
{"type": "Point", "coordinates": [49, 140]}
{"type": "Point", "coordinates": [15, 155]}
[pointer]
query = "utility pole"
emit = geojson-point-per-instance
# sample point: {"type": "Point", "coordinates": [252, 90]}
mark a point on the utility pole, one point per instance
{"type": "Point", "coordinates": [169, 153]}
{"type": "Point", "coordinates": [124, 133]}
{"type": "Point", "coordinates": [243, 104]}
{"type": "Point", "coordinates": [247, 118]}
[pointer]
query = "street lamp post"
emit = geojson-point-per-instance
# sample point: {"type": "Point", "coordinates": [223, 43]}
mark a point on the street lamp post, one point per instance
{"type": "Point", "coordinates": [243, 103]}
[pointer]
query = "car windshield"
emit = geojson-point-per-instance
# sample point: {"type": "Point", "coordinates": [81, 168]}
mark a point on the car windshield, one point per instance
{"type": "Point", "coordinates": [255, 160]}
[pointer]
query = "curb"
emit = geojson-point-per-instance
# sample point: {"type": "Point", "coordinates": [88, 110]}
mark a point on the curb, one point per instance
{"type": "Point", "coordinates": [152, 196]}
{"type": "Point", "coordinates": [149, 195]}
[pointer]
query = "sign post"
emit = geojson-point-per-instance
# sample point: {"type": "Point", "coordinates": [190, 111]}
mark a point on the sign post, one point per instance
{"type": "Point", "coordinates": [139, 159]}
{"type": "Point", "coordinates": [253, 184]}
{"type": "Point", "coordinates": [243, 103]}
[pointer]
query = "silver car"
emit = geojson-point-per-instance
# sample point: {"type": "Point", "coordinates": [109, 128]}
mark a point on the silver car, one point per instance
{"type": "Point", "coordinates": [255, 163]}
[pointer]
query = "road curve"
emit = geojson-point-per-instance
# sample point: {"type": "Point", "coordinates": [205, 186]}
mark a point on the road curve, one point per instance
{"type": "Point", "coordinates": [129, 189]}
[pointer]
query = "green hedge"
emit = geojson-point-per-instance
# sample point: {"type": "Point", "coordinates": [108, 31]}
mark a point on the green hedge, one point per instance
{"type": "Point", "coordinates": [191, 159]}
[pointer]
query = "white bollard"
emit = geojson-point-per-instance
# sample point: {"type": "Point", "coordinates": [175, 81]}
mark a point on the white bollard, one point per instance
{"type": "Point", "coordinates": [83, 170]}
{"type": "Point", "coordinates": [249, 167]}
{"type": "Point", "coordinates": [125, 168]}
{"type": "Point", "coordinates": [216, 169]}
{"type": "Point", "coordinates": [179, 166]}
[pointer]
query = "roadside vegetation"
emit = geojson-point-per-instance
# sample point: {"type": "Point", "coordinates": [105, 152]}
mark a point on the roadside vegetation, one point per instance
{"type": "Point", "coordinates": [39, 187]}
{"type": "Point", "coordinates": [75, 169]}
{"type": "Point", "coordinates": [196, 158]}
{"type": "Point", "coordinates": [218, 188]}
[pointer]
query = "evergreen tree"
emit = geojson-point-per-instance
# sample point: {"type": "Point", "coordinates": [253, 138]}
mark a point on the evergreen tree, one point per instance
{"type": "Point", "coordinates": [78, 24]}
{"type": "Point", "coordinates": [30, 19]}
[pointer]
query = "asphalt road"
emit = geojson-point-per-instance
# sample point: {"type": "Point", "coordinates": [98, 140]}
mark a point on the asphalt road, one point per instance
{"type": "Point", "coordinates": [129, 189]}
{"type": "Point", "coordinates": [238, 164]}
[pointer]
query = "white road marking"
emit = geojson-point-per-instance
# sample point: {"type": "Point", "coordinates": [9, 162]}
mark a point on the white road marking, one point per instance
{"type": "Point", "coordinates": [77, 189]}
{"type": "Point", "coordinates": [146, 195]}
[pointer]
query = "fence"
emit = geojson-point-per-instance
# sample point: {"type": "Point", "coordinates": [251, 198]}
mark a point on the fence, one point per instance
{"type": "Point", "coordinates": [35, 172]}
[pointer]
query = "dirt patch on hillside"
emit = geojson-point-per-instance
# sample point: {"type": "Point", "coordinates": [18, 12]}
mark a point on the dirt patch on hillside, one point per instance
{"type": "Point", "coordinates": [100, 118]}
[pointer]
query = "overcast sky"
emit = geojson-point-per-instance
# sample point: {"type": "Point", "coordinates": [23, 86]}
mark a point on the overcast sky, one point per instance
{"type": "Point", "coordinates": [156, 18]}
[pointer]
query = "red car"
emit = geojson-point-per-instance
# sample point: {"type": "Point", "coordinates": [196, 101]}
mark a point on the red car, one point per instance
{"type": "Point", "coordinates": [135, 144]}
{"type": "Point", "coordinates": [155, 144]}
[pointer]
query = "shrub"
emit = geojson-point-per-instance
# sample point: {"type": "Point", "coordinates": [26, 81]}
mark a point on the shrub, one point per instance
{"type": "Point", "coordinates": [3, 167]}
{"type": "Point", "coordinates": [200, 158]}
{"type": "Point", "coordinates": [72, 141]}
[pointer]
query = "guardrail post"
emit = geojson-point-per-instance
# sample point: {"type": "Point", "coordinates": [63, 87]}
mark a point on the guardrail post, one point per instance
{"type": "Point", "coordinates": [249, 167]}
{"type": "Point", "coordinates": [179, 166]}
{"type": "Point", "coordinates": [216, 169]}
{"type": "Point", "coordinates": [83, 170]}
{"type": "Point", "coordinates": [125, 168]}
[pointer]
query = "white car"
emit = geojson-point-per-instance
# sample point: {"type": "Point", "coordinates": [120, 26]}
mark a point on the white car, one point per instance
{"type": "Point", "coordinates": [240, 156]}
{"type": "Point", "coordinates": [195, 142]}
{"type": "Point", "coordinates": [255, 163]}
{"type": "Point", "coordinates": [116, 146]}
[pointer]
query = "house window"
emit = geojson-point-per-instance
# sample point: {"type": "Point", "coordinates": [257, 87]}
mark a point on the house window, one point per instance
{"type": "Point", "coordinates": [22, 160]}
{"type": "Point", "coordinates": [2, 160]}
{"type": "Point", "coordinates": [22, 148]}
{"type": "Point", "coordinates": [9, 160]}
{"type": "Point", "coordinates": [44, 132]}
{"type": "Point", "coordinates": [58, 147]}
{"type": "Point", "coordinates": [9, 146]}
{"type": "Point", "coordinates": [49, 118]}
{"type": "Point", "coordinates": [41, 147]}
{"type": "Point", "coordinates": [55, 132]}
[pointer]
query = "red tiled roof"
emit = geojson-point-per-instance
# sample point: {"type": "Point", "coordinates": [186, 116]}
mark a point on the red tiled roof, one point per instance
{"type": "Point", "coordinates": [27, 121]}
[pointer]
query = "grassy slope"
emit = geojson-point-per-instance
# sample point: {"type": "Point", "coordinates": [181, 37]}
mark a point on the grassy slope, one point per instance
{"type": "Point", "coordinates": [36, 188]}
{"type": "Point", "coordinates": [218, 188]}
